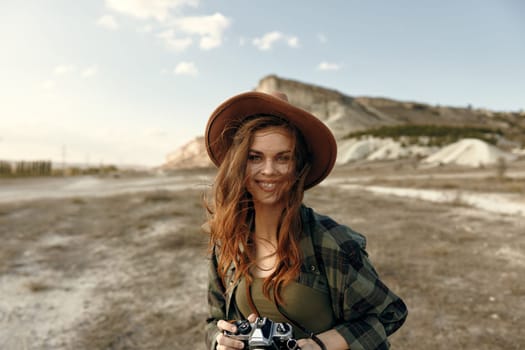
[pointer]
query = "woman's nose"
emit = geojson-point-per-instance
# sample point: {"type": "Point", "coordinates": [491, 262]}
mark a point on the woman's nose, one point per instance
{"type": "Point", "coordinates": [268, 167]}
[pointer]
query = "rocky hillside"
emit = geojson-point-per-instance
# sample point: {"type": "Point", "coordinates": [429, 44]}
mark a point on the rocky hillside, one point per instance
{"type": "Point", "coordinates": [191, 155]}
{"type": "Point", "coordinates": [345, 115]}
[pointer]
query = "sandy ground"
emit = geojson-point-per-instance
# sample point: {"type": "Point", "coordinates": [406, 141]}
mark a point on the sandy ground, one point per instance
{"type": "Point", "coordinates": [93, 263]}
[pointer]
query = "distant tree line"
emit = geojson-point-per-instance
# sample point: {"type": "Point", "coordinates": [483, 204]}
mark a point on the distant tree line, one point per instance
{"type": "Point", "coordinates": [100, 170]}
{"type": "Point", "coordinates": [436, 135]}
{"type": "Point", "coordinates": [25, 168]}
{"type": "Point", "coordinates": [45, 168]}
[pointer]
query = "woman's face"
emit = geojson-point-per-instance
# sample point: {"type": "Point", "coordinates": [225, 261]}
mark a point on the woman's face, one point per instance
{"type": "Point", "coordinates": [270, 163]}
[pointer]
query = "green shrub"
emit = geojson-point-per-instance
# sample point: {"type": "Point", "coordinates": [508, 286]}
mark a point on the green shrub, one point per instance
{"type": "Point", "coordinates": [438, 134]}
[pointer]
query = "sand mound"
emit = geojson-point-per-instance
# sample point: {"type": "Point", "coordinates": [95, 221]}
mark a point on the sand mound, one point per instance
{"type": "Point", "coordinates": [356, 149]}
{"type": "Point", "coordinates": [378, 149]}
{"type": "Point", "coordinates": [469, 152]}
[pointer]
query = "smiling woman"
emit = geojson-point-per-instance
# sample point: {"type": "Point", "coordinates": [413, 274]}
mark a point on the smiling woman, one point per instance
{"type": "Point", "coordinates": [269, 165]}
{"type": "Point", "coordinates": [271, 256]}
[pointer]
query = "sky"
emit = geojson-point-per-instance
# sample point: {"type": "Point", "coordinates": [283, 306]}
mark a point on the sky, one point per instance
{"type": "Point", "coordinates": [126, 82]}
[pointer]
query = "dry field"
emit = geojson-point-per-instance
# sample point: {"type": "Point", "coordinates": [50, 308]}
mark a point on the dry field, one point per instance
{"type": "Point", "coordinates": [128, 271]}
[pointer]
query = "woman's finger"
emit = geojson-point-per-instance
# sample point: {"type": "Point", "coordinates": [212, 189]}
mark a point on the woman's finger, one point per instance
{"type": "Point", "coordinates": [226, 326]}
{"type": "Point", "coordinates": [307, 344]}
{"type": "Point", "coordinates": [224, 342]}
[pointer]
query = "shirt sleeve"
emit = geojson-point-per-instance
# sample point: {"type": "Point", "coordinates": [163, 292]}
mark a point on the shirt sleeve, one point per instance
{"type": "Point", "coordinates": [216, 304]}
{"type": "Point", "coordinates": [370, 310]}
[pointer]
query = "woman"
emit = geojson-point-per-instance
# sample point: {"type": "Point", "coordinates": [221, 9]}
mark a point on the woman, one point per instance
{"type": "Point", "coordinates": [273, 257]}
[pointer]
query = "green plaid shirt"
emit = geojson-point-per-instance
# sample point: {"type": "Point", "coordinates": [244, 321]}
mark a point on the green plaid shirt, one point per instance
{"type": "Point", "coordinates": [334, 258]}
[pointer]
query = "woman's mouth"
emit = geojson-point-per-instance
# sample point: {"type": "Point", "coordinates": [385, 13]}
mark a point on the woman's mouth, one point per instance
{"type": "Point", "coordinates": [266, 186]}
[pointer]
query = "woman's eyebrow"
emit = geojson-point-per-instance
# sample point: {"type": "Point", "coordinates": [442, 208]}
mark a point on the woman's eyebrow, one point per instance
{"type": "Point", "coordinates": [260, 152]}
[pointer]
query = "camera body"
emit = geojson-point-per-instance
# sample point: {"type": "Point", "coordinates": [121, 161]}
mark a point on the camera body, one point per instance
{"type": "Point", "coordinates": [264, 334]}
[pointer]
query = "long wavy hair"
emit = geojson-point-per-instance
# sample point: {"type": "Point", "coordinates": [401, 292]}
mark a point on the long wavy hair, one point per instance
{"type": "Point", "coordinates": [231, 211]}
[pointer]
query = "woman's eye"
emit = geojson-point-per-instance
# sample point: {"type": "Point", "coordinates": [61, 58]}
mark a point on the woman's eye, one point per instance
{"type": "Point", "coordinates": [254, 157]}
{"type": "Point", "coordinates": [283, 159]}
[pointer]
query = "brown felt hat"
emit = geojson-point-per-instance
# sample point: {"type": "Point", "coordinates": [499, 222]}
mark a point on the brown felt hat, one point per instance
{"type": "Point", "coordinates": [230, 114]}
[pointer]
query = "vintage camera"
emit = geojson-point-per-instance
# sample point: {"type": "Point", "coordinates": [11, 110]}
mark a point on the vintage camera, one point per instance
{"type": "Point", "coordinates": [264, 334]}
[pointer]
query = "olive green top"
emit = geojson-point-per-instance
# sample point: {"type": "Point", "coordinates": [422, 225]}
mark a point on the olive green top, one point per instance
{"type": "Point", "coordinates": [309, 307]}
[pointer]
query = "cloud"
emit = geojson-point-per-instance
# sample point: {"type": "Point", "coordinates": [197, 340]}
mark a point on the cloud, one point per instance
{"type": "Point", "coordinates": [108, 22]}
{"type": "Point", "coordinates": [174, 43]}
{"type": "Point", "coordinates": [177, 32]}
{"type": "Point", "coordinates": [145, 9]}
{"type": "Point", "coordinates": [209, 28]}
{"type": "Point", "coordinates": [64, 69]}
{"type": "Point", "coordinates": [89, 72]}
{"type": "Point", "coordinates": [293, 41]}
{"type": "Point", "coordinates": [186, 68]}
{"type": "Point", "coordinates": [267, 41]}
{"type": "Point", "coordinates": [326, 66]}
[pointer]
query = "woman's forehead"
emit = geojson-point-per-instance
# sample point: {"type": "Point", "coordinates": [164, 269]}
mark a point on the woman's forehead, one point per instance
{"type": "Point", "coordinates": [272, 137]}
{"type": "Point", "coordinates": [274, 129]}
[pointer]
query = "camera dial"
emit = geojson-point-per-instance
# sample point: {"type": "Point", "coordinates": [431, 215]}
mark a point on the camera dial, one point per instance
{"type": "Point", "coordinates": [243, 327]}
{"type": "Point", "coordinates": [282, 328]}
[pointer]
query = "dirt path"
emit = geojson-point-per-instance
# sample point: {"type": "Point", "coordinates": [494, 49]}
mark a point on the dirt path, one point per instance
{"type": "Point", "coordinates": [128, 271]}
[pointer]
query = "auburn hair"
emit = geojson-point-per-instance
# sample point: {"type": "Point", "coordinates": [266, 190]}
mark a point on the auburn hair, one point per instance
{"type": "Point", "coordinates": [231, 211]}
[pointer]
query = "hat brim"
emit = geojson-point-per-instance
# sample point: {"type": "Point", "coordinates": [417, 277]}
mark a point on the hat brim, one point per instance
{"type": "Point", "coordinates": [230, 114]}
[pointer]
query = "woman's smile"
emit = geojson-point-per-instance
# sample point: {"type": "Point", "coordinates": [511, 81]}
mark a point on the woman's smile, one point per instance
{"type": "Point", "coordinates": [269, 165]}
{"type": "Point", "coordinates": [266, 186]}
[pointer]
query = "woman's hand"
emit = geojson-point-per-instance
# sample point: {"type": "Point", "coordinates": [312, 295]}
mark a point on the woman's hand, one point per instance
{"type": "Point", "coordinates": [225, 342]}
{"type": "Point", "coordinates": [308, 344]}
{"type": "Point", "coordinates": [331, 340]}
